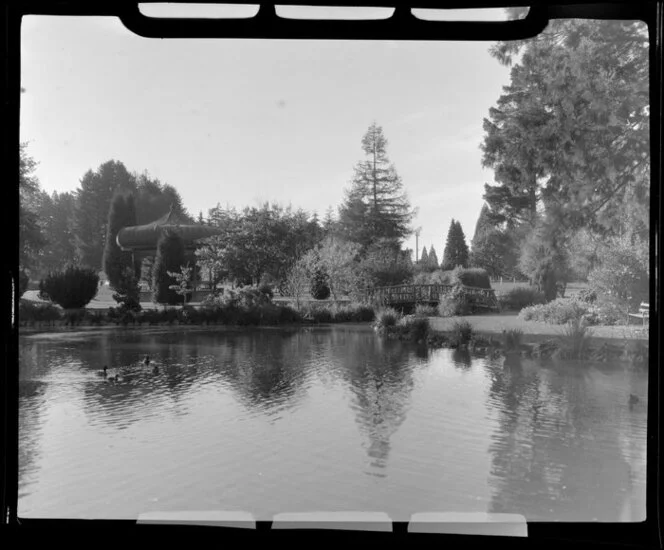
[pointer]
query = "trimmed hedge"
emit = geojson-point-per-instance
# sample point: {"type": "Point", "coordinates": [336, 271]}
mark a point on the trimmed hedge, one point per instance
{"type": "Point", "coordinates": [72, 288]}
{"type": "Point", "coordinates": [472, 276]}
{"type": "Point", "coordinates": [520, 297]}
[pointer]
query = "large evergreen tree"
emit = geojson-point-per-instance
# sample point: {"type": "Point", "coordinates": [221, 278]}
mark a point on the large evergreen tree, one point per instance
{"type": "Point", "coordinates": [170, 257]}
{"type": "Point", "coordinates": [154, 199]}
{"type": "Point", "coordinates": [568, 139]}
{"type": "Point", "coordinates": [493, 248]}
{"type": "Point", "coordinates": [424, 258]}
{"type": "Point", "coordinates": [456, 249]}
{"type": "Point", "coordinates": [121, 214]}
{"type": "Point", "coordinates": [484, 224]}
{"type": "Point", "coordinates": [93, 201]}
{"type": "Point", "coordinates": [375, 207]}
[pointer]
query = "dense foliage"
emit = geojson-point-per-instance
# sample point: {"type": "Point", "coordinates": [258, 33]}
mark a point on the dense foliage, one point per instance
{"type": "Point", "coordinates": [127, 292]}
{"type": "Point", "coordinates": [622, 273]}
{"type": "Point", "coordinates": [32, 239]}
{"type": "Point", "coordinates": [520, 297]}
{"type": "Point", "coordinates": [320, 289]}
{"type": "Point", "coordinates": [170, 257]}
{"type": "Point", "coordinates": [568, 141]}
{"type": "Point", "coordinates": [116, 261]}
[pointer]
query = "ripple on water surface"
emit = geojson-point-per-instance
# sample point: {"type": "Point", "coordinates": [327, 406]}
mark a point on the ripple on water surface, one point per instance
{"type": "Point", "coordinates": [328, 418]}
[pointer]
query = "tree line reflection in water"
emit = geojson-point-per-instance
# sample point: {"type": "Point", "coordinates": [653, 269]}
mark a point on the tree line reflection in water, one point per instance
{"type": "Point", "coordinates": [562, 440]}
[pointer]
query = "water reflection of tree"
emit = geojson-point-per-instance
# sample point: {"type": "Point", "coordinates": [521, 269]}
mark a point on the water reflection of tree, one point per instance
{"type": "Point", "coordinates": [379, 373]}
{"type": "Point", "coordinates": [30, 417]}
{"type": "Point", "coordinates": [266, 368]}
{"type": "Point", "coordinates": [140, 391]}
{"type": "Point", "coordinates": [554, 450]}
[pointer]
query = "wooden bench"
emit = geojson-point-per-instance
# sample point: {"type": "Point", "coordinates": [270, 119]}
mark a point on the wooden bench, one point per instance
{"type": "Point", "coordinates": [643, 314]}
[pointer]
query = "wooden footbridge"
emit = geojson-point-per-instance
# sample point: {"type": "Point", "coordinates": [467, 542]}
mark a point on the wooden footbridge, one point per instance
{"type": "Point", "coordinates": [411, 295]}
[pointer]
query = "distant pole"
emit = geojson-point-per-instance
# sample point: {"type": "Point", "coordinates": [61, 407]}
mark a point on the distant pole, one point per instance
{"type": "Point", "coordinates": [417, 240]}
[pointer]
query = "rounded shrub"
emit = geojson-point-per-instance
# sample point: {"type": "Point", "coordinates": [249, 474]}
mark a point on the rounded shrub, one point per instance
{"type": "Point", "coordinates": [72, 288]}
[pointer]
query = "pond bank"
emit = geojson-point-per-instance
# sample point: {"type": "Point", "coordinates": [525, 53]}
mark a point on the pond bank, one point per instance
{"type": "Point", "coordinates": [506, 334]}
{"type": "Point", "coordinates": [534, 331]}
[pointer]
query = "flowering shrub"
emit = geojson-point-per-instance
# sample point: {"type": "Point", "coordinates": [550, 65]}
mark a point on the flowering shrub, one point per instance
{"type": "Point", "coordinates": [564, 310]}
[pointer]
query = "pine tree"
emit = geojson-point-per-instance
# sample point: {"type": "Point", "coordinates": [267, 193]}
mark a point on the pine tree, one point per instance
{"type": "Point", "coordinates": [170, 257]}
{"type": "Point", "coordinates": [433, 259]}
{"type": "Point", "coordinates": [462, 246]}
{"type": "Point", "coordinates": [484, 224]}
{"type": "Point", "coordinates": [375, 207]}
{"type": "Point", "coordinates": [121, 214]}
{"type": "Point", "coordinates": [456, 249]}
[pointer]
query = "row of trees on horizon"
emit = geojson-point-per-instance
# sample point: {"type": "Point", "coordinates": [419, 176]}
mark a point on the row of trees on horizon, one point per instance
{"type": "Point", "coordinates": [258, 244]}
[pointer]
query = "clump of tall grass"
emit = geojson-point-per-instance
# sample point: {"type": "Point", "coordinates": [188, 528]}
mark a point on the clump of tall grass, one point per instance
{"type": "Point", "coordinates": [386, 318]}
{"type": "Point", "coordinates": [355, 313]}
{"type": "Point", "coordinates": [512, 339]}
{"type": "Point", "coordinates": [412, 328]}
{"type": "Point", "coordinates": [575, 339]}
{"type": "Point", "coordinates": [423, 310]}
{"type": "Point", "coordinates": [461, 334]}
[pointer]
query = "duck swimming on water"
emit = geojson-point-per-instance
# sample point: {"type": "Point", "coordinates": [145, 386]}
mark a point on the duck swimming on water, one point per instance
{"type": "Point", "coordinates": [633, 400]}
{"type": "Point", "coordinates": [146, 361]}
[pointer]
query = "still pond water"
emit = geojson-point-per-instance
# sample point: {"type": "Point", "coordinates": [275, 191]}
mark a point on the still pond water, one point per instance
{"type": "Point", "coordinates": [328, 418]}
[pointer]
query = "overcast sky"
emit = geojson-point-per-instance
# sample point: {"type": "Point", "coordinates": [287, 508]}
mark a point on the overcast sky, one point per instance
{"type": "Point", "coordinates": [238, 122]}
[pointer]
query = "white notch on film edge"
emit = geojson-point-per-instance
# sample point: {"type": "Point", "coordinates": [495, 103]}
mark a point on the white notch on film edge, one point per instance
{"type": "Point", "coordinates": [210, 517]}
{"type": "Point", "coordinates": [459, 523]}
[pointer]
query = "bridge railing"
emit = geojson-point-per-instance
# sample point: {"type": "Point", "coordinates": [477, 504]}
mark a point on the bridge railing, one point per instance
{"type": "Point", "coordinates": [430, 293]}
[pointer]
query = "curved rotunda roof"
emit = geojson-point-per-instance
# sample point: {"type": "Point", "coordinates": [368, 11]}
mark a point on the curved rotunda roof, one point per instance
{"type": "Point", "coordinates": [145, 237]}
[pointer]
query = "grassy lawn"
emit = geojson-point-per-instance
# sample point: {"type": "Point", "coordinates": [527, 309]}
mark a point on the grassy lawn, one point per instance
{"type": "Point", "coordinates": [497, 322]}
